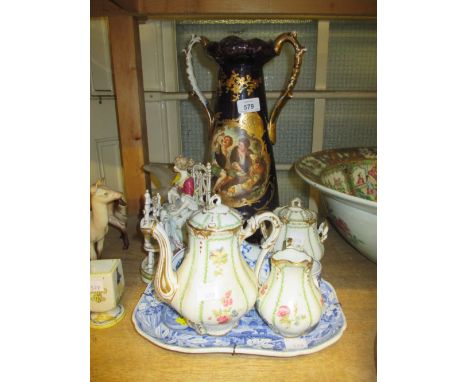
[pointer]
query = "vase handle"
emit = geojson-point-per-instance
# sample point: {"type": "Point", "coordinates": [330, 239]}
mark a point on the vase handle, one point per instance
{"type": "Point", "coordinates": [196, 92]}
{"type": "Point", "coordinates": [290, 37]}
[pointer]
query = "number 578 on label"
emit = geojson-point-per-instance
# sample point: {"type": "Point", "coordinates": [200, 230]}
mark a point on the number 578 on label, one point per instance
{"type": "Point", "coordinates": [248, 105]}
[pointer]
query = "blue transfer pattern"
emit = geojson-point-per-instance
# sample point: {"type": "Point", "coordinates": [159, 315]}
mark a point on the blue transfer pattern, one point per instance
{"type": "Point", "coordinates": [158, 321]}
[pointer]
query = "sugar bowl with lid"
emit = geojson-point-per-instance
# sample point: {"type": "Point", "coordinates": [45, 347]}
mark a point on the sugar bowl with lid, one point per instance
{"type": "Point", "coordinates": [300, 225]}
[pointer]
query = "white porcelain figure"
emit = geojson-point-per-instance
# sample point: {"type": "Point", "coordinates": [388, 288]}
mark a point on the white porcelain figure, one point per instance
{"type": "Point", "coordinates": [300, 225]}
{"type": "Point", "coordinates": [191, 190]}
{"type": "Point", "coordinates": [213, 287]}
{"type": "Point", "coordinates": [183, 183]}
{"type": "Point", "coordinates": [290, 301]}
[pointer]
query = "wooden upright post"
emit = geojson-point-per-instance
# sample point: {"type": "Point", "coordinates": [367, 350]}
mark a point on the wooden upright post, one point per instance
{"type": "Point", "coordinates": [130, 104]}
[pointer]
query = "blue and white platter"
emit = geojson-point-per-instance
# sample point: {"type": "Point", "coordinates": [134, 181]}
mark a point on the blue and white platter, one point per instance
{"type": "Point", "coordinates": [164, 327]}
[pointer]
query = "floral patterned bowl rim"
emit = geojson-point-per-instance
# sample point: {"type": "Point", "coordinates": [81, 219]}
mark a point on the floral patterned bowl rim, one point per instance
{"type": "Point", "coordinates": [333, 157]}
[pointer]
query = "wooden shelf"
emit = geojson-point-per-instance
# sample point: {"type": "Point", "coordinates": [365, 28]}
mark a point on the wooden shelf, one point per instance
{"type": "Point", "coordinates": [121, 354]}
{"type": "Point", "coordinates": [183, 9]}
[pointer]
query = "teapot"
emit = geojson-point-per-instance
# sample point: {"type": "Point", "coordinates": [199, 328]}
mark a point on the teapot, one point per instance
{"type": "Point", "coordinates": [300, 225]}
{"type": "Point", "coordinates": [213, 287]}
{"type": "Point", "coordinates": [290, 301]}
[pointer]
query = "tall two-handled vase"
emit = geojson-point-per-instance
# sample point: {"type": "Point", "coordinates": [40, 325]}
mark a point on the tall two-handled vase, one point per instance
{"type": "Point", "coordinates": [241, 132]}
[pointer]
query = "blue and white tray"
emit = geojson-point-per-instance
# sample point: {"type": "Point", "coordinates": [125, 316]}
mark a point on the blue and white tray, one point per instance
{"type": "Point", "coordinates": [163, 326]}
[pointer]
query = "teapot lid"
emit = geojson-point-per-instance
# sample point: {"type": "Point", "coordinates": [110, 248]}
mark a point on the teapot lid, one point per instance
{"type": "Point", "coordinates": [216, 216]}
{"type": "Point", "coordinates": [296, 214]}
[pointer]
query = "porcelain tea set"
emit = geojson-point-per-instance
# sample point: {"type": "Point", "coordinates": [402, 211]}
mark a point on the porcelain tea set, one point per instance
{"type": "Point", "coordinates": [214, 287]}
{"type": "Point", "coordinates": [207, 277]}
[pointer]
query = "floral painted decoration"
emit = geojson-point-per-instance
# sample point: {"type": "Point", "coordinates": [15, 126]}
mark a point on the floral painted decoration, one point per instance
{"type": "Point", "coordinates": [286, 318]}
{"type": "Point", "coordinates": [236, 84]}
{"type": "Point", "coordinates": [344, 229]}
{"type": "Point", "coordinates": [225, 314]}
{"type": "Point", "coordinates": [98, 296]}
{"type": "Point", "coordinates": [219, 258]}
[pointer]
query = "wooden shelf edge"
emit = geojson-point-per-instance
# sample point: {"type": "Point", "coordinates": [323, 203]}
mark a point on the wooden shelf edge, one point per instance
{"type": "Point", "coordinates": [242, 9]}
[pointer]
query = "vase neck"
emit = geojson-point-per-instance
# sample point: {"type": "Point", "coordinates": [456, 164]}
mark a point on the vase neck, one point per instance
{"type": "Point", "coordinates": [233, 49]}
{"type": "Point", "coordinates": [240, 81]}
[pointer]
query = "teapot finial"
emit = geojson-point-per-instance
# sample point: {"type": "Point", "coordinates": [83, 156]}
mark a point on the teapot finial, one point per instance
{"type": "Point", "coordinates": [214, 201]}
{"type": "Point", "coordinates": [296, 202]}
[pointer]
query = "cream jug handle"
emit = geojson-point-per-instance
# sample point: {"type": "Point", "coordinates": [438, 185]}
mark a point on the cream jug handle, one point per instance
{"type": "Point", "coordinates": [269, 243]}
{"type": "Point", "coordinates": [196, 92]}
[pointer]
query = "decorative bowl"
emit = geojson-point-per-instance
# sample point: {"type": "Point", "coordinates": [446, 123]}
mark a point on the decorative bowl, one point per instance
{"type": "Point", "coordinates": [347, 178]}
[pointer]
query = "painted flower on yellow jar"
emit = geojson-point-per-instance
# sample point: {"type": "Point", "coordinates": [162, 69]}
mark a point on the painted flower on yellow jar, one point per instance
{"type": "Point", "coordinates": [98, 296]}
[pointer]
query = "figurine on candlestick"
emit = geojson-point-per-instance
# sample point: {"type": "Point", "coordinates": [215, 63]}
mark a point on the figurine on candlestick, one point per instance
{"type": "Point", "coordinates": [183, 183]}
{"type": "Point", "coordinates": [181, 201]}
{"type": "Point", "coordinates": [190, 191]}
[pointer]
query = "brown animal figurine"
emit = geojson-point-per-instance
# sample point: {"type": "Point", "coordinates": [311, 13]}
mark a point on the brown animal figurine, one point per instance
{"type": "Point", "coordinates": [101, 196]}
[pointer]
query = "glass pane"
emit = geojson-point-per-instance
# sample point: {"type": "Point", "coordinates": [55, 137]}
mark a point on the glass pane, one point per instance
{"type": "Point", "coordinates": [350, 123]}
{"type": "Point", "coordinates": [194, 130]}
{"type": "Point", "coordinates": [276, 72]}
{"type": "Point", "coordinates": [352, 56]}
{"type": "Point", "coordinates": [293, 130]}
{"type": "Point", "coordinates": [291, 186]}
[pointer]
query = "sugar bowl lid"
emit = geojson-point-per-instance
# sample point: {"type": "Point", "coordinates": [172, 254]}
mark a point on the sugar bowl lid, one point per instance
{"type": "Point", "coordinates": [296, 214]}
{"type": "Point", "coordinates": [216, 216]}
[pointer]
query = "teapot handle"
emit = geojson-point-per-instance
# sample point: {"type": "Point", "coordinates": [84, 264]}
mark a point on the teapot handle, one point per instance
{"type": "Point", "coordinates": [196, 92]}
{"type": "Point", "coordinates": [290, 37]}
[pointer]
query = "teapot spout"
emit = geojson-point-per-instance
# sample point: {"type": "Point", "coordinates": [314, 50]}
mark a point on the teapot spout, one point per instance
{"type": "Point", "coordinates": [165, 279]}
